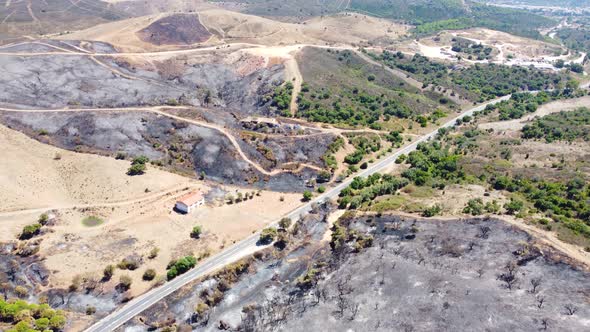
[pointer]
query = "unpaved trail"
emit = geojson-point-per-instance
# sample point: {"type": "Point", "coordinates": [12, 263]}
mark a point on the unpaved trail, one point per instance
{"type": "Point", "coordinates": [293, 72]}
{"type": "Point", "coordinates": [174, 191]}
{"type": "Point", "coordinates": [549, 108]}
{"type": "Point", "coordinates": [158, 110]}
{"type": "Point", "coordinates": [551, 239]}
{"type": "Point", "coordinates": [30, 10]}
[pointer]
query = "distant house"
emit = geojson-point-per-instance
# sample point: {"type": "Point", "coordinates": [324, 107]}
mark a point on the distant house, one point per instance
{"type": "Point", "coordinates": [190, 201]}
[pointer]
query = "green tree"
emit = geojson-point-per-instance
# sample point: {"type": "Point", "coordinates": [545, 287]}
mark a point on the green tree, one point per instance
{"type": "Point", "coordinates": [307, 195]}
{"type": "Point", "coordinates": [268, 235]}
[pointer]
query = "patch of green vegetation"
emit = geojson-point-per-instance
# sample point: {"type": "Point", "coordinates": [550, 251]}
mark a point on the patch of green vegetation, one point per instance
{"type": "Point", "coordinates": [363, 190]}
{"type": "Point", "coordinates": [521, 103]}
{"type": "Point", "coordinates": [178, 267]}
{"type": "Point", "coordinates": [577, 39]}
{"type": "Point", "coordinates": [329, 158]}
{"type": "Point", "coordinates": [30, 231]}
{"type": "Point", "coordinates": [92, 221]}
{"type": "Point", "coordinates": [30, 317]}
{"type": "Point", "coordinates": [433, 16]}
{"type": "Point", "coordinates": [562, 126]}
{"type": "Point", "coordinates": [391, 203]}
{"type": "Point", "coordinates": [479, 82]}
{"type": "Point", "coordinates": [471, 49]}
{"type": "Point", "coordinates": [342, 88]}
{"type": "Point", "coordinates": [268, 235]}
{"type": "Point", "coordinates": [364, 144]}
{"type": "Point", "coordinates": [138, 165]}
{"type": "Point", "coordinates": [281, 98]}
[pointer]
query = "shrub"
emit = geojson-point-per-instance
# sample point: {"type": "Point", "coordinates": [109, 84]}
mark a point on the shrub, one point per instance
{"type": "Point", "coordinates": [154, 253]}
{"type": "Point", "coordinates": [136, 169]}
{"type": "Point", "coordinates": [29, 231]}
{"type": "Point", "coordinates": [285, 223]}
{"type": "Point", "coordinates": [125, 282]}
{"type": "Point", "coordinates": [128, 264]}
{"type": "Point", "coordinates": [321, 189]}
{"type": "Point", "coordinates": [43, 219]}
{"type": "Point", "coordinates": [90, 310]}
{"type": "Point", "coordinates": [307, 195]}
{"type": "Point", "coordinates": [180, 266]}
{"type": "Point", "coordinates": [108, 271]}
{"type": "Point", "coordinates": [514, 206]}
{"type": "Point", "coordinates": [474, 207]}
{"type": "Point", "coordinates": [149, 274]}
{"type": "Point", "coordinates": [268, 235]}
{"type": "Point", "coordinates": [196, 232]}
{"type": "Point", "coordinates": [432, 211]}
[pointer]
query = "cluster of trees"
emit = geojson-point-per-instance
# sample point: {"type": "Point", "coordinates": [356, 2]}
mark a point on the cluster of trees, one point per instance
{"type": "Point", "coordinates": [480, 81]}
{"type": "Point", "coordinates": [519, 104]}
{"type": "Point", "coordinates": [30, 317]}
{"type": "Point", "coordinates": [435, 164]}
{"type": "Point", "coordinates": [562, 126]}
{"type": "Point", "coordinates": [180, 266]}
{"type": "Point", "coordinates": [138, 165]}
{"type": "Point", "coordinates": [466, 46]}
{"type": "Point", "coordinates": [434, 16]}
{"type": "Point", "coordinates": [568, 202]}
{"type": "Point", "coordinates": [492, 80]}
{"type": "Point", "coordinates": [281, 98]}
{"type": "Point", "coordinates": [32, 230]}
{"type": "Point", "coordinates": [578, 38]}
{"type": "Point", "coordinates": [575, 67]}
{"type": "Point", "coordinates": [363, 190]}
{"type": "Point", "coordinates": [329, 158]}
{"type": "Point", "coordinates": [364, 144]}
{"type": "Point", "coordinates": [351, 107]}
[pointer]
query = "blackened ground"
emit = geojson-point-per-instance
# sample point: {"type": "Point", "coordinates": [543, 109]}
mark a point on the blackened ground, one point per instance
{"type": "Point", "coordinates": [177, 29]}
{"type": "Point", "coordinates": [419, 275]}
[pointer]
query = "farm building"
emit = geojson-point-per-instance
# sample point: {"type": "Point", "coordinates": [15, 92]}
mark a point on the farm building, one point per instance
{"type": "Point", "coordinates": [190, 201]}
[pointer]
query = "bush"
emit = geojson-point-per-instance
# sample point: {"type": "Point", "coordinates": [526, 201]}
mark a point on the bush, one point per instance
{"type": "Point", "coordinates": [196, 232]}
{"type": "Point", "coordinates": [432, 211]}
{"type": "Point", "coordinates": [268, 235]}
{"type": "Point", "coordinates": [285, 223]}
{"type": "Point", "coordinates": [29, 231]}
{"type": "Point", "coordinates": [154, 253]}
{"type": "Point", "coordinates": [321, 189]}
{"type": "Point", "coordinates": [125, 282]}
{"type": "Point", "coordinates": [514, 206]}
{"type": "Point", "coordinates": [149, 274]}
{"type": "Point", "coordinates": [136, 169]}
{"type": "Point", "coordinates": [107, 273]}
{"type": "Point", "coordinates": [43, 219]}
{"type": "Point", "coordinates": [474, 207]}
{"type": "Point", "coordinates": [180, 266]}
{"type": "Point", "coordinates": [307, 195]}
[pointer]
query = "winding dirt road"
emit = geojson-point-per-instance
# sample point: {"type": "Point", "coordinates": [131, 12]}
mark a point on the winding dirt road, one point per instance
{"type": "Point", "coordinates": [159, 110]}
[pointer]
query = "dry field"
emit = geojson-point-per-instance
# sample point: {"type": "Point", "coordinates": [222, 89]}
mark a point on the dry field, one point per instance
{"type": "Point", "coordinates": [135, 221]}
{"type": "Point", "coordinates": [232, 27]}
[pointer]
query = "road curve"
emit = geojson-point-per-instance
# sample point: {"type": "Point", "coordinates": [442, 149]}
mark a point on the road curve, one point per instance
{"type": "Point", "coordinates": [249, 245]}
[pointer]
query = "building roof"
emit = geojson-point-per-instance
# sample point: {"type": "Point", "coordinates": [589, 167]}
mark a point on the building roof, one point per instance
{"type": "Point", "coordinates": [190, 198]}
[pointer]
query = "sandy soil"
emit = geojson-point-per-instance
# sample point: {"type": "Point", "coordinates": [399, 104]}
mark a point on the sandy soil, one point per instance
{"type": "Point", "coordinates": [549, 108]}
{"type": "Point", "coordinates": [134, 221]}
{"type": "Point", "coordinates": [31, 177]}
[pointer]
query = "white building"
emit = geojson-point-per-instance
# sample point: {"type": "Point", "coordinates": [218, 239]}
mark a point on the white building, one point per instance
{"type": "Point", "coordinates": [190, 201]}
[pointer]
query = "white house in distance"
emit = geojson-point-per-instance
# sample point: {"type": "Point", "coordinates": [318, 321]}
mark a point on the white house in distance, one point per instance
{"type": "Point", "coordinates": [190, 201]}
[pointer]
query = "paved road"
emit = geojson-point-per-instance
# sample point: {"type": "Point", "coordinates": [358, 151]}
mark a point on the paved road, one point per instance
{"type": "Point", "coordinates": [248, 246]}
